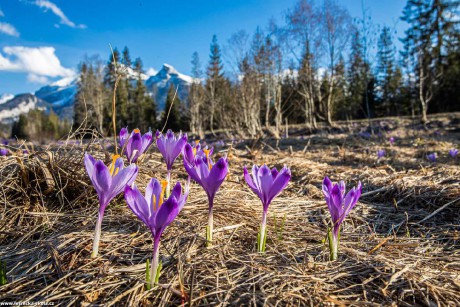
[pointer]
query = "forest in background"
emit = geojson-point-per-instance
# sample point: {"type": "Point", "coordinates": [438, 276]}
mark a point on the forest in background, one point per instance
{"type": "Point", "coordinates": [319, 65]}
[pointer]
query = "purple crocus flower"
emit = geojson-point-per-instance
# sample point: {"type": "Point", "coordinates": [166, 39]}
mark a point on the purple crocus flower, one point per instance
{"type": "Point", "coordinates": [123, 136]}
{"type": "Point", "coordinates": [170, 148]}
{"type": "Point", "coordinates": [210, 176]}
{"type": "Point", "coordinates": [392, 141]}
{"type": "Point", "coordinates": [3, 152]}
{"type": "Point", "coordinates": [380, 153]}
{"type": "Point", "coordinates": [432, 157]}
{"type": "Point", "coordinates": [136, 144]}
{"type": "Point", "coordinates": [267, 184]}
{"type": "Point", "coordinates": [155, 213]}
{"type": "Point", "coordinates": [453, 152]}
{"type": "Point", "coordinates": [339, 206]}
{"type": "Point", "coordinates": [108, 182]}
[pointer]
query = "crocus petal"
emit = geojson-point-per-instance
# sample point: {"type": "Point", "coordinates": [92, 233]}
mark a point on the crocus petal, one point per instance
{"type": "Point", "coordinates": [165, 215]}
{"type": "Point", "coordinates": [137, 203]}
{"type": "Point", "coordinates": [335, 203]}
{"type": "Point", "coordinates": [201, 168]}
{"type": "Point", "coordinates": [255, 176]}
{"type": "Point", "coordinates": [101, 178]}
{"type": "Point", "coordinates": [342, 187]}
{"type": "Point", "coordinates": [327, 186]}
{"type": "Point", "coordinates": [217, 176]}
{"type": "Point", "coordinates": [123, 136]}
{"type": "Point", "coordinates": [178, 147]}
{"type": "Point", "coordinates": [191, 171]}
{"type": "Point", "coordinates": [89, 165]}
{"type": "Point", "coordinates": [153, 188]}
{"type": "Point", "coordinates": [249, 180]}
{"type": "Point", "coordinates": [274, 173]}
{"type": "Point", "coordinates": [147, 140]}
{"type": "Point", "coordinates": [280, 183]}
{"type": "Point", "coordinates": [188, 154]}
{"type": "Point", "coordinates": [266, 183]}
{"type": "Point", "coordinates": [176, 191]}
{"type": "Point", "coordinates": [119, 164]}
{"type": "Point", "coordinates": [124, 177]}
{"type": "Point", "coordinates": [134, 147]}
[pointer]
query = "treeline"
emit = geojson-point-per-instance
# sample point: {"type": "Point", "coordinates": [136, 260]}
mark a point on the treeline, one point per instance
{"type": "Point", "coordinates": [319, 65]}
{"type": "Point", "coordinates": [39, 126]}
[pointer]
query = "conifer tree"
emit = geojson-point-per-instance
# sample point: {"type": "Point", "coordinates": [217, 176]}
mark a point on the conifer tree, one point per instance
{"type": "Point", "coordinates": [214, 82]}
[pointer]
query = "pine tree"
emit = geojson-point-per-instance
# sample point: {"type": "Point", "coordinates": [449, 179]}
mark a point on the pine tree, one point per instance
{"type": "Point", "coordinates": [431, 27]}
{"type": "Point", "coordinates": [356, 82]}
{"type": "Point", "coordinates": [387, 80]}
{"type": "Point", "coordinates": [214, 81]}
{"type": "Point", "coordinates": [196, 99]}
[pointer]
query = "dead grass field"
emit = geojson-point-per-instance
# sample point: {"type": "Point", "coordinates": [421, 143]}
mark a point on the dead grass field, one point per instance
{"type": "Point", "coordinates": [399, 246]}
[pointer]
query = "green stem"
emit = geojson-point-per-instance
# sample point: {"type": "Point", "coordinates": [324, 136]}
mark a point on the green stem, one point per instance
{"type": "Point", "coordinates": [333, 245]}
{"type": "Point", "coordinates": [263, 233]}
{"type": "Point", "coordinates": [168, 187]}
{"type": "Point", "coordinates": [210, 227]}
{"type": "Point", "coordinates": [97, 235]}
{"type": "Point", "coordinates": [154, 269]}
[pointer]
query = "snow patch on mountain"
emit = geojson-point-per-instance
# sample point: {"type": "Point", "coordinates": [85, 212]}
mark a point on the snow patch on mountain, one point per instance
{"type": "Point", "coordinates": [20, 104]}
{"type": "Point", "coordinates": [60, 95]}
{"type": "Point", "coordinates": [5, 97]}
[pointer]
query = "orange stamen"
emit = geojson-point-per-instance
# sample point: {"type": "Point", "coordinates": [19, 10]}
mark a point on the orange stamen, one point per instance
{"type": "Point", "coordinates": [154, 202]}
{"type": "Point", "coordinates": [112, 170]}
{"type": "Point", "coordinates": [136, 131]}
{"type": "Point", "coordinates": [206, 152]}
{"type": "Point", "coordinates": [164, 184]}
{"type": "Point", "coordinates": [197, 142]}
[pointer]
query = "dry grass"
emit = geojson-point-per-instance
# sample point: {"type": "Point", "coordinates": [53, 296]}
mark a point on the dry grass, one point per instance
{"type": "Point", "coordinates": [399, 246]}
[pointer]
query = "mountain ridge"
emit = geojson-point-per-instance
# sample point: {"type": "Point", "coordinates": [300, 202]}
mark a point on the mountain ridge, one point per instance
{"type": "Point", "coordinates": [60, 95]}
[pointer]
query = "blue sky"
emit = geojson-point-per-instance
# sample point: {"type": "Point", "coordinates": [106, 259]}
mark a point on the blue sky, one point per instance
{"type": "Point", "coordinates": [157, 31]}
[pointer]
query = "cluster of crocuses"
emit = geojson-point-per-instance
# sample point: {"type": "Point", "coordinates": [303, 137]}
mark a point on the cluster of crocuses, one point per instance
{"type": "Point", "coordinates": [160, 206]}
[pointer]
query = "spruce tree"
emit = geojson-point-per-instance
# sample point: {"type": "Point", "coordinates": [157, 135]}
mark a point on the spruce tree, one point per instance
{"type": "Point", "coordinates": [214, 81]}
{"type": "Point", "coordinates": [386, 74]}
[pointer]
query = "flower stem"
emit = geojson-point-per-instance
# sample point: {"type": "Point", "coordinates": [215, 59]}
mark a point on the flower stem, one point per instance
{"type": "Point", "coordinates": [154, 272]}
{"type": "Point", "coordinates": [263, 233]}
{"type": "Point", "coordinates": [210, 227]}
{"type": "Point", "coordinates": [97, 235]}
{"type": "Point", "coordinates": [168, 187]}
{"type": "Point", "coordinates": [333, 244]}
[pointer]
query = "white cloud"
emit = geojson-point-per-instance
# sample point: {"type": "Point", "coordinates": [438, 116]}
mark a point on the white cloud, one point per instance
{"type": "Point", "coordinates": [40, 61]}
{"type": "Point", "coordinates": [48, 5]}
{"type": "Point", "coordinates": [8, 29]}
{"type": "Point", "coordinates": [33, 78]}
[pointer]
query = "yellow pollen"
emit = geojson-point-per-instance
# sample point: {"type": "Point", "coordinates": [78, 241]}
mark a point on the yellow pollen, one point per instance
{"type": "Point", "coordinates": [112, 170]}
{"type": "Point", "coordinates": [154, 202]}
{"type": "Point", "coordinates": [206, 152]}
{"type": "Point", "coordinates": [164, 184]}
{"type": "Point", "coordinates": [197, 142]}
{"type": "Point", "coordinates": [136, 130]}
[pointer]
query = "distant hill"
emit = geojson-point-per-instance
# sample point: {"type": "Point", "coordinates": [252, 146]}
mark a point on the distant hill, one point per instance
{"type": "Point", "coordinates": [60, 96]}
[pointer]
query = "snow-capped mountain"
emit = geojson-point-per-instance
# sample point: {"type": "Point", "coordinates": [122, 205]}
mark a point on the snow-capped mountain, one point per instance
{"type": "Point", "coordinates": [5, 97]}
{"type": "Point", "coordinates": [60, 95]}
{"type": "Point", "coordinates": [159, 84]}
{"type": "Point", "coordinates": [20, 104]}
